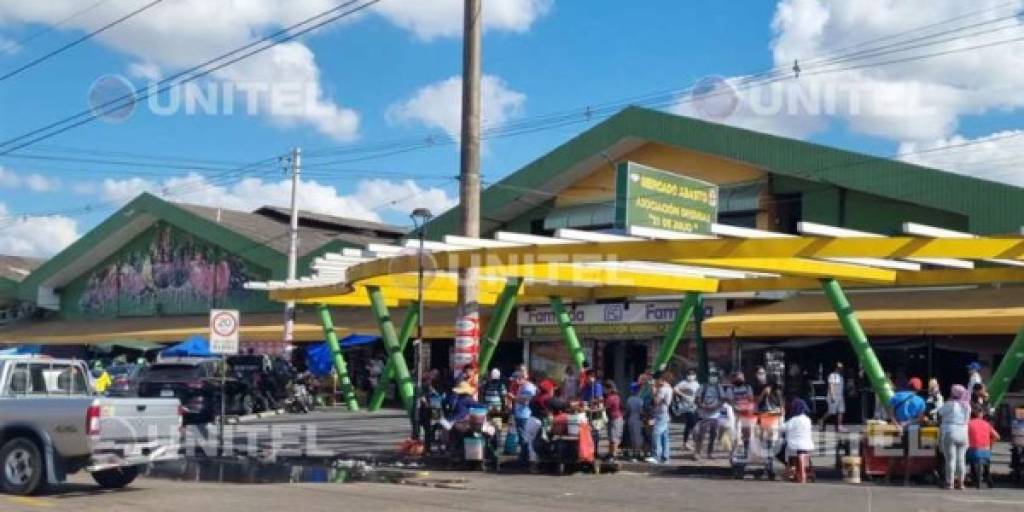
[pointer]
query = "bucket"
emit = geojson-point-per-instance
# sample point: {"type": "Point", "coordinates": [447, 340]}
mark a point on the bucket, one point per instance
{"type": "Point", "coordinates": [477, 416]}
{"type": "Point", "coordinates": [474, 448]}
{"type": "Point", "coordinates": [851, 469]}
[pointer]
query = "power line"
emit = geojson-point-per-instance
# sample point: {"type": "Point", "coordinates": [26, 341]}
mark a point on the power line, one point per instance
{"type": "Point", "coordinates": [76, 42]}
{"type": "Point", "coordinates": [274, 39]}
{"type": "Point", "coordinates": [556, 120]}
{"type": "Point", "coordinates": [59, 23]}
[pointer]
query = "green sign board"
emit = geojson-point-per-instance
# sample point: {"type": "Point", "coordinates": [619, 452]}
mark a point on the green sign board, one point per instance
{"type": "Point", "coordinates": [652, 198]}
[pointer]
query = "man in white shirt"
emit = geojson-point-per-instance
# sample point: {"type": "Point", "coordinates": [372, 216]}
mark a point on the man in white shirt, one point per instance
{"type": "Point", "coordinates": [686, 403]}
{"type": "Point", "coordinates": [835, 398]}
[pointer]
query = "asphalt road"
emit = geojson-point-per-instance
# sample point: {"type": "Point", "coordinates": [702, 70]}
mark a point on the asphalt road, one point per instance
{"type": "Point", "coordinates": [486, 493]}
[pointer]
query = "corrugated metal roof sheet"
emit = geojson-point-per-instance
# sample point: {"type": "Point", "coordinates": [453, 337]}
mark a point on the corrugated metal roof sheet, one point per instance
{"type": "Point", "coordinates": [991, 207]}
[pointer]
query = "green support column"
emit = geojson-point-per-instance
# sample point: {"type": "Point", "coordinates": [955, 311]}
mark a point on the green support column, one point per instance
{"type": "Point", "coordinates": [568, 332]}
{"type": "Point", "coordinates": [502, 311]}
{"type": "Point", "coordinates": [411, 316]}
{"type": "Point", "coordinates": [703, 367]}
{"type": "Point", "coordinates": [1007, 369]}
{"type": "Point", "coordinates": [387, 331]}
{"type": "Point", "coordinates": [339, 360]}
{"type": "Point", "coordinates": [675, 332]}
{"type": "Point", "coordinates": [858, 340]}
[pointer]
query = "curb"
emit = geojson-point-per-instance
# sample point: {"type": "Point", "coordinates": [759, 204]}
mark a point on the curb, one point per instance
{"type": "Point", "coordinates": [234, 420]}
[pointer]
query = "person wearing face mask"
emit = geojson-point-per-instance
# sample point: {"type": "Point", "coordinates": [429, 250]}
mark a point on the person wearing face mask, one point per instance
{"type": "Point", "coordinates": [686, 403]}
{"type": "Point", "coordinates": [835, 398]}
{"type": "Point", "coordinates": [744, 404]}
{"type": "Point", "coordinates": [710, 404]}
{"type": "Point", "coordinates": [760, 381]}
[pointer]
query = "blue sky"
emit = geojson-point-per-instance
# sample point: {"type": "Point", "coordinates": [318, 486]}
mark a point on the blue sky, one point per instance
{"type": "Point", "coordinates": [544, 56]}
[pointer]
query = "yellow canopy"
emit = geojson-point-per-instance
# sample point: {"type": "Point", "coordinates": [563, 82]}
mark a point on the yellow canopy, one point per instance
{"type": "Point", "coordinates": [907, 313]}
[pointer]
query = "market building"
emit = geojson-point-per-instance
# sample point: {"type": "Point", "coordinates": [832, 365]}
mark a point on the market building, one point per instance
{"type": "Point", "coordinates": [768, 184]}
{"type": "Point", "coordinates": [149, 274]}
{"type": "Point", "coordinates": [14, 270]}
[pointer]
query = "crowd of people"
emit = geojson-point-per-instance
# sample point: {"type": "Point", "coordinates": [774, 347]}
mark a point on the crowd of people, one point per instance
{"type": "Point", "coordinates": [635, 424]}
{"type": "Point", "coordinates": [966, 433]}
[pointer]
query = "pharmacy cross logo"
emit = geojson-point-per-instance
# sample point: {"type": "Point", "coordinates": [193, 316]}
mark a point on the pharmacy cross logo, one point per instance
{"type": "Point", "coordinates": [614, 312]}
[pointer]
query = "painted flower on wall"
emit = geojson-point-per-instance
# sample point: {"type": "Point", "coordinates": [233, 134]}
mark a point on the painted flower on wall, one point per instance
{"type": "Point", "coordinates": [173, 270]}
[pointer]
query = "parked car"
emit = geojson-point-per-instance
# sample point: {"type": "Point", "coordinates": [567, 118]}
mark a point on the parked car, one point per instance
{"type": "Point", "coordinates": [53, 424]}
{"type": "Point", "coordinates": [124, 379]}
{"type": "Point", "coordinates": [197, 384]}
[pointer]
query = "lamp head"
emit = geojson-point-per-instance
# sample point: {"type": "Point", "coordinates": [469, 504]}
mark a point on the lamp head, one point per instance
{"type": "Point", "coordinates": [421, 213]}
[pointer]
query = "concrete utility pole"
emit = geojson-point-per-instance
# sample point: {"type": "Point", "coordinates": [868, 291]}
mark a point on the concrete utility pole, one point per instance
{"type": "Point", "coordinates": [293, 248]}
{"type": "Point", "coordinates": [467, 341]}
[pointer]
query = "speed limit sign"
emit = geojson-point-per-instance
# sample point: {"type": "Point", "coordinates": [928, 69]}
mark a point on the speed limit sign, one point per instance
{"type": "Point", "coordinates": [224, 326]}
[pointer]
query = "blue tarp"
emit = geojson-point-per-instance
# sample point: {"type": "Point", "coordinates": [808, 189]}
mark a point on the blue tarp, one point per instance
{"type": "Point", "coordinates": [22, 350]}
{"type": "Point", "coordinates": [318, 357]}
{"type": "Point", "coordinates": [195, 346]}
{"type": "Point", "coordinates": [353, 340]}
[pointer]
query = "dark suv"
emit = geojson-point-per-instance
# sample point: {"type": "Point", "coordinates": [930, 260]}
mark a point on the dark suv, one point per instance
{"type": "Point", "coordinates": [195, 383]}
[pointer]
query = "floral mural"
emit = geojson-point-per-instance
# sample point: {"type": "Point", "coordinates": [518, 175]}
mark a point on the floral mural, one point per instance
{"type": "Point", "coordinates": [166, 269]}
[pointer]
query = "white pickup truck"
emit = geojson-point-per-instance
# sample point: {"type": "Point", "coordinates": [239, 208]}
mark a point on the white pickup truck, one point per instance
{"type": "Point", "coordinates": [52, 424]}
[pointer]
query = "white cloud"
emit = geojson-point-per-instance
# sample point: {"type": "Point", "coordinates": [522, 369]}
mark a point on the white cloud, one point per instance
{"type": "Point", "coordinates": [35, 236]}
{"type": "Point", "coordinates": [8, 179]}
{"type": "Point", "coordinates": [8, 47]}
{"type": "Point", "coordinates": [917, 100]}
{"type": "Point", "coordinates": [439, 105]}
{"type": "Point", "coordinates": [180, 34]}
{"type": "Point", "coordinates": [145, 70]}
{"type": "Point", "coordinates": [996, 157]}
{"type": "Point", "coordinates": [368, 201]}
{"type": "Point", "coordinates": [39, 183]}
{"type": "Point", "coordinates": [34, 182]}
{"type": "Point", "coordinates": [443, 18]}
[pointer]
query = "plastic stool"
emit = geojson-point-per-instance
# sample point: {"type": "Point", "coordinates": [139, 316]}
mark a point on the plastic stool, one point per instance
{"type": "Point", "coordinates": [802, 468]}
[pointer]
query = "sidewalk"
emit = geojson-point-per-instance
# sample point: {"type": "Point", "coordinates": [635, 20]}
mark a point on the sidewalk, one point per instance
{"type": "Point", "coordinates": [375, 437]}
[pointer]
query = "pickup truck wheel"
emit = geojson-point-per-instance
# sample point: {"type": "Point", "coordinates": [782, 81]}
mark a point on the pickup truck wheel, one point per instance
{"type": "Point", "coordinates": [116, 478]}
{"type": "Point", "coordinates": [22, 467]}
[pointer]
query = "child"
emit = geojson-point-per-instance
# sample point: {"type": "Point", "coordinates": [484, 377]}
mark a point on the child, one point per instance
{"type": "Point", "coordinates": [980, 436]}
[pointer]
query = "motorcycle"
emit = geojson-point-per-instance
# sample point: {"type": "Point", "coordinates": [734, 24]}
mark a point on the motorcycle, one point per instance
{"type": "Point", "coordinates": [300, 399]}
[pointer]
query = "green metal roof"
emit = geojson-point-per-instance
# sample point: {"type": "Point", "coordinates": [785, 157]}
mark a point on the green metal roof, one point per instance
{"type": "Point", "coordinates": [990, 206]}
{"type": "Point", "coordinates": [173, 214]}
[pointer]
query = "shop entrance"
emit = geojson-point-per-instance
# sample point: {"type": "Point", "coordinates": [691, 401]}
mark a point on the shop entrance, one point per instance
{"type": "Point", "coordinates": [623, 362]}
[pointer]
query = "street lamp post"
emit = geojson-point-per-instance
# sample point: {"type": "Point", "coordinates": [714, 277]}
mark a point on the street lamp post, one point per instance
{"type": "Point", "coordinates": [420, 216]}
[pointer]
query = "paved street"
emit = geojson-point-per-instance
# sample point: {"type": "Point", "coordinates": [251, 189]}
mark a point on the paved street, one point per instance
{"type": "Point", "coordinates": [485, 492]}
{"type": "Point", "coordinates": [196, 489]}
